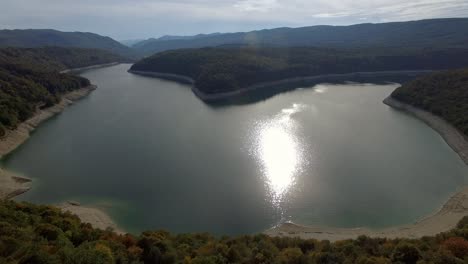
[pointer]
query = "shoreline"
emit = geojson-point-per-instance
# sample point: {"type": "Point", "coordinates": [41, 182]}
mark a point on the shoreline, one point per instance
{"type": "Point", "coordinates": [14, 138]}
{"type": "Point", "coordinates": [452, 136]}
{"type": "Point", "coordinates": [442, 220]}
{"type": "Point", "coordinates": [96, 66]}
{"type": "Point", "coordinates": [92, 215]}
{"type": "Point", "coordinates": [166, 76]}
{"type": "Point", "coordinates": [295, 81]}
{"type": "Point", "coordinates": [12, 185]}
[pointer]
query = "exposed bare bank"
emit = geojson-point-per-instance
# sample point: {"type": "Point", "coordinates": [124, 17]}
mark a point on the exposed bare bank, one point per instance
{"type": "Point", "coordinates": [454, 138]}
{"type": "Point", "coordinates": [443, 220]}
{"type": "Point", "coordinates": [12, 185]}
{"type": "Point", "coordinates": [96, 217]}
{"type": "Point", "coordinates": [16, 137]}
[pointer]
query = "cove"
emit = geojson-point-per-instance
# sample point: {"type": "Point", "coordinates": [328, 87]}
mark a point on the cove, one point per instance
{"type": "Point", "coordinates": [156, 157]}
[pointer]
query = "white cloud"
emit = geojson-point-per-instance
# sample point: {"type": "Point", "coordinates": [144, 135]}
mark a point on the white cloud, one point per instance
{"type": "Point", "coordinates": [145, 18]}
{"type": "Point", "coordinates": [256, 5]}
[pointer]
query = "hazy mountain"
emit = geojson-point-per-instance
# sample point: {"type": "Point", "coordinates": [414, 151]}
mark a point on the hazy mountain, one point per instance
{"type": "Point", "coordinates": [438, 33]}
{"type": "Point", "coordinates": [31, 38]}
{"type": "Point", "coordinates": [149, 41]}
{"type": "Point", "coordinates": [130, 42]}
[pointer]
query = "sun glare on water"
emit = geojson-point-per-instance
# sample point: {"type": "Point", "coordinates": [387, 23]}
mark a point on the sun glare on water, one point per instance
{"type": "Point", "coordinates": [278, 150]}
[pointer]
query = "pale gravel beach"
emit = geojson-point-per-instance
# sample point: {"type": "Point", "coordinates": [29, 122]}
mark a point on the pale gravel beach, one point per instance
{"type": "Point", "coordinates": [92, 215]}
{"type": "Point", "coordinates": [12, 185]}
{"type": "Point", "coordinates": [443, 220]}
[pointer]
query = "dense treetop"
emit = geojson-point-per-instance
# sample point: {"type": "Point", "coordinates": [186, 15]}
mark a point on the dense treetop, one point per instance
{"type": "Point", "coordinates": [431, 33]}
{"type": "Point", "coordinates": [43, 234]}
{"type": "Point", "coordinates": [444, 94]}
{"type": "Point", "coordinates": [30, 78]}
{"type": "Point", "coordinates": [224, 69]}
{"type": "Point", "coordinates": [57, 58]}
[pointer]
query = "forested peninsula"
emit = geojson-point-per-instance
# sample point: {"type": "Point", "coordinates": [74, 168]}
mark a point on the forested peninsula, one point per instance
{"type": "Point", "coordinates": [230, 69]}
{"type": "Point", "coordinates": [440, 100]}
{"type": "Point", "coordinates": [444, 94]}
{"type": "Point", "coordinates": [30, 79]}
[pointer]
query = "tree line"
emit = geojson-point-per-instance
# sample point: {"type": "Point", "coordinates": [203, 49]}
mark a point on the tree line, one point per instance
{"type": "Point", "coordinates": [44, 234]}
{"type": "Point", "coordinates": [230, 68]}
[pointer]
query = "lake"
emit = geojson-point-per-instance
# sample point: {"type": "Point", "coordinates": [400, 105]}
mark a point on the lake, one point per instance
{"type": "Point", "coordinates": [154, 156]}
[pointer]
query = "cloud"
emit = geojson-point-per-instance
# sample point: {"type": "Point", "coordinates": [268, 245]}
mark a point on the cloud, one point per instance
{"type": "Point", "coordinates": [149, 18]}
{"type": "Point", "coordinates": [256, 5]}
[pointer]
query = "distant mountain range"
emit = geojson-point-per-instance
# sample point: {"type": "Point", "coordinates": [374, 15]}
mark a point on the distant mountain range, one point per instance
{"type": "Point", "coordinates": [32, 38]}
{"type": "Point", "coordinates": [432, 33]}
{"type": "Point", "coordinates": [130, 42]}
{"type": "Point", "coordinates": [143, 43]}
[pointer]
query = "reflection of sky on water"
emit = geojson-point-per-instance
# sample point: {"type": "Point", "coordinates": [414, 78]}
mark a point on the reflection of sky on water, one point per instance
{"type": "Point", "coordinates": [279, 151]}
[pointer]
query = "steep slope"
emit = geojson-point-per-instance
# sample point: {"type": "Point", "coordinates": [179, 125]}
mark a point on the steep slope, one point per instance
{"type": "Point", "coordinates": [30, 79]}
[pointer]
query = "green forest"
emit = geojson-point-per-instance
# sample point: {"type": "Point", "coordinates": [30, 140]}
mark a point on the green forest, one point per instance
{"type": "Point", "coordinates": [43, 234]}
{"type": "Point", "coordinates": [30, 78]}
{"type": "Point", "coordinates": [230, 68]}
{"type": "Point", "coordinates": [443, 93]}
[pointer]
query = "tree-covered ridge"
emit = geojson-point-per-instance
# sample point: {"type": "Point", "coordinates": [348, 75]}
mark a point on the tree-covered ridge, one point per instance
{"type": "Point", "coordinates": [43, 234]}
{"type": "Point", "coordinates": [34, 38]}
{"type": "Point", "coordinates": [430, 33]}
{"type": "Point", "coordinates": [30, 78]}
{"type": "Point", "coordinates": [57, 58]}
{"type": "Point", "coordinates": [224, 69]}
{"type": "Point", "coordinates": [444, 94]}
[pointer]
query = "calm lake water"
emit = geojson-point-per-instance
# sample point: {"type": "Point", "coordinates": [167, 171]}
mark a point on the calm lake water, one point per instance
{"type": "Point", "coordinates": [155, 157]}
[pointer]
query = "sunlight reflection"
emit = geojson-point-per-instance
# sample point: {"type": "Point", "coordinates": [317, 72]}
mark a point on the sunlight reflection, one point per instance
{"type": "Point", "coordinates": [279, 151]}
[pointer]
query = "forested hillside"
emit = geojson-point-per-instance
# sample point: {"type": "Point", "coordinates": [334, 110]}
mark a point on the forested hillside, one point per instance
{"type": "Point", "coordinates": [33, 38]}
{"type": "Point", "coordinates": [58, 58]}
{"type": "Point", "coordinates": [42, 234]}
{"type": "Point", "coordinates": [444, 94]}
{"type": "Point", "coordinates": [218, 70]}
{"type": "Point", "coordinates": [30, 78]}
{"type": "Point", "coordinates": [432, 33]}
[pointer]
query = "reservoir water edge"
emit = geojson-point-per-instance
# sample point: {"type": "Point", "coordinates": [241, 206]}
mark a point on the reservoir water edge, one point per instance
{"type": "Point", "coordinates": [156, 157]}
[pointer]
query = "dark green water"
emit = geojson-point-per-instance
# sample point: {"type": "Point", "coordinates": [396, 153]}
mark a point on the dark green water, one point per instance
{"type": "Point", "coordinates": [155, 157]}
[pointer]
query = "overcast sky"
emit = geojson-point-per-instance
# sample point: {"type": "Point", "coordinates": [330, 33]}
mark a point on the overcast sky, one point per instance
{"type": "Point", "coordinates": [130, 19]}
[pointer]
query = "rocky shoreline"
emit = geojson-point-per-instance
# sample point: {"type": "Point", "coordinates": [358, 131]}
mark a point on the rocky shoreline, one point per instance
{"type": "Point", "coordinates": [16, 137]}
{"type": "Point", "coordinates": [96, 66]}
{"type": "Point", "coordinates": [443, 220]}
{"type": "Point", "coordinates": [166, 76]}
{"type": "Point", "coordinates": [92, 215]}
{"type": "Point", "coordinates": [290, 82]}
{"type": "Point", "coordinates": [454, 138]}
{"type": "Point", "coordinates": [12, 185]}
